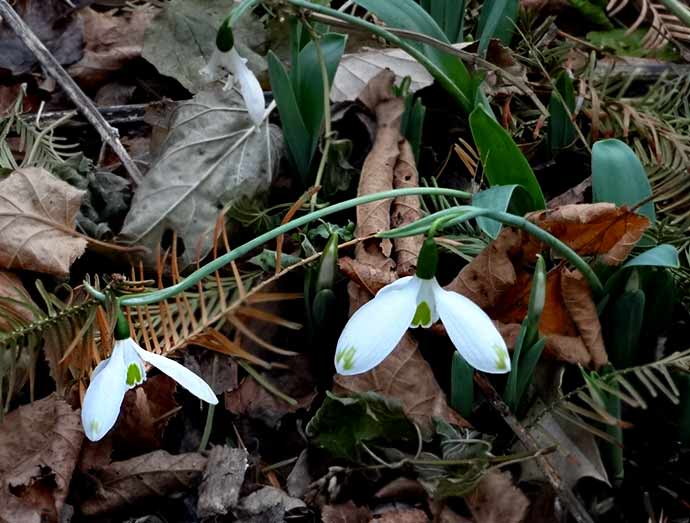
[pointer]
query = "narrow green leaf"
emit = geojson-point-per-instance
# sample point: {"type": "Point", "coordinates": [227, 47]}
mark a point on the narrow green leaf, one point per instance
{"type": "Point", "coordinates": [625, 319]}
{"type": "Point", "coordinates": [561, 131]}
{"type": "Point", "coordinates": [619, 177]}
{"type": "Point", "coordinates": [407, 14]}
{"type": "Point", "coordinates": [497, 20]}
{"type": "Point", "coordinates": [295, 131]}
{"type": "Point", "coordinates": [412, 124]}
{"type": "Point", "coordinates": [660, 256]}
{"type": "Point", "coordinates": [461, 386]}
{"type": "Point", "coordinates": [504, 163]}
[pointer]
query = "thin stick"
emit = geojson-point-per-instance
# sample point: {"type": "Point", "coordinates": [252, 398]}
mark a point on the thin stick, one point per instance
{"type": "Point", "coordinates": [85, 105]}
{"type": "Point", "coordinates": [566, 496]}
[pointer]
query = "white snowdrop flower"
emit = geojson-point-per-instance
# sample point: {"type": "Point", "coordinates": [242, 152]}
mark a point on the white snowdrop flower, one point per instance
{"type": "Point", "coordinates": [419, 301]}
{"type": "Point", "coordinates": [125, 370]}
{"type": "Point", "coordinates": [221, 63]}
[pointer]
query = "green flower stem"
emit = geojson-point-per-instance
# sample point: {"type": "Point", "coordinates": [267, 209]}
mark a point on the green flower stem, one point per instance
{"type": "Point", "coordinates": [214, 265]}
{"type": "Point", "coordinates": [391, 38]}
{"type": "Point", "coordinates": [679, 9]}
{"type": "Point", "coordinates": [467, 213]}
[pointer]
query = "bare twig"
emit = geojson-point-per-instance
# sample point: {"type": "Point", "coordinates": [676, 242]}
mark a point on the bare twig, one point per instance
{"type": "Point", "coordinates": [566, 496]}
{"type": "Point", "coordinates": [54, 69]}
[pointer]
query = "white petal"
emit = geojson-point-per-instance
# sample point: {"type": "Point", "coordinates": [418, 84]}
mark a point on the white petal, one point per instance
{"type": "Point", "coordinates": [376, 328]}
{"type": "Point", "coordinates": [250, 88]}
{"type": "Point", "coordinates": [101, 405]}
{"type": "Point", "coordinates": [180, 374]}
{"type": "Point", "coordinates": [472, 332]}
{"type": "Point", "coordinates": [426, 313]}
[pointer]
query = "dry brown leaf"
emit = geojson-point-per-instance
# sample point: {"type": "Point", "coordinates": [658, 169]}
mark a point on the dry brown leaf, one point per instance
{"type": "Point", "coordinates": [223, 478]}
{"type": "Point", "coordinates": [12, 291]}
{"type": "Point", "coordinates": [39, 447]}
{"type": "Point", "coordinates": [253, 400]}
{"type": "Point", "coordinates": [157, 474]}
{"type": "Point", "coordinates": [145, 414]}
{"type": "Point", "coordinates": [411, 515]}
{"type": "Point", "coordinates": [111, 42]}
{"type": "Point", "coordinates": [497, 500]}
{"type": "Point", "coordinates": [594, 229]}
{"type": "Point", "coordinates": [356, 70]}
{"type": "Point", "coordinates": [499, 279]}
{"type": "Point", "coordinates": [406, 209]}
{"type": "Point", "coordinates": [407, 376]}
{"type": "Point", "coordinates": [345, 513]}
{"type": "Point", "coordinates": [37, 213]}
{"type": "Point", "coordinates": [577, 297]}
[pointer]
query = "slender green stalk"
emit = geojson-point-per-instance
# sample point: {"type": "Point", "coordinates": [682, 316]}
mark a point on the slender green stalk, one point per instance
{"type": "Point", "coordinates": [435, 71]}
{"type": "Point", "coordinates": [466, 213]}
{"type": "Point", "coordinates": [214, 265]}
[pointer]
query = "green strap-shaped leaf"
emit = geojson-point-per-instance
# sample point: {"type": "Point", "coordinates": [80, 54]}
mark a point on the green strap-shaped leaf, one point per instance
{"type": "Point", "coordinates": [511, 198]}
{"type": "Point", "coordinates": [504, 163]}
{"type": "Point", "coordinates": [660, 256]}
{"type": "Point", "coordinates": [497, 20]}
{"type": "Point", "coordinates": [407, 14]}
{"type": "Point", "coordinates": [294, 129]}
{"type": "Point", "coordinates": [619, 177]}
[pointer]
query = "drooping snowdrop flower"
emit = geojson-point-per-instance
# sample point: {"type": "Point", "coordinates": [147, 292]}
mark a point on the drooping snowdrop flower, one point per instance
{"type": "Point", "coordinates": [225, 59]}
{"type": "Point", "coordinates": [419, 301]}
{"type": "Point", "coordinates": [124, 370]}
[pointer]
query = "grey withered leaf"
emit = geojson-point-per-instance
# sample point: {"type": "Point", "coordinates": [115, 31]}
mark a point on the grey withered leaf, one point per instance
{"type": "Point", "coordinates": [212, 156]}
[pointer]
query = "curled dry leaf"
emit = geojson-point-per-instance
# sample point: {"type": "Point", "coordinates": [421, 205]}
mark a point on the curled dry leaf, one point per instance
{"type": "Point", "coordinates": [405, 374]}
{"type": "Point", "coordinates": [222, 481]}
{"type": "Point", "coordinates": [345, 513]}
{"type": "Point", "coordinates": [356, 70]}
{"type": "Point", "coordinates": [145, 413]}
{"type": "Point", "coordinates": [12, 295]}
{"type": "Point", "coordinates": [253, 400]}
{"type": "Point", "coordinates": [212, 156]}
{"type": "Point", "coordinates": [157, 474]}
{"type": "Point", "coordinates": [497, 500]}
{"type": "Point", "coordinates": [39, 447]}
{"type": "Point", "coordinates": [111, 42]}
{"type": "Point", "coordinates": [37, 214]}
{"type": "Point", "coordinates": [406, 209]}
{"type": "Point", "coordinates": [499, 279]}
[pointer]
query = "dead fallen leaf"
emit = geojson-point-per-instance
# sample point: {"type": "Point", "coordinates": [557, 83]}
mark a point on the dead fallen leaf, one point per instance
{"type": "Point", "coordinates": [497, 500]}
{"type": "Point", "coordinates": [253, 400]}
{"type": "Point", "coordinates": [12, 294]}
{"type": "Point", "coordinates": [111, 42]}
{"type": "Point", "coordinates": [145, 414]}
{"type": "Point", "coordinates": [594, 229]}
{"type": "Point", "coordinates": [499, 279]}
{"type": "Point", "coordinates": [404, 374]}
{"type": "Point", "coordinates": [345, 513]}
{"type": "Point", "coordinates": [356, 70]}
{"type": "Point", "coordinates": [157, 474]}
{"type": "Point", "coordinates": [577, 455]}
{"type": "Point", "coordinates": [39, 447]}
{"type": "Point", "coordinates": [54, 23]}
{"type": "Point", "coordinates": [266, 504]}
{"type": "Point", "coordinates": [37, 213]}
{"type": "Point", "coordinates": [407, 376]}
{"type": "Point", "coordinates": [406, 209]}
{"type": "Point", "coordinates": [411, 515]}
{"type": "Point", "coordinates": [220, 487]}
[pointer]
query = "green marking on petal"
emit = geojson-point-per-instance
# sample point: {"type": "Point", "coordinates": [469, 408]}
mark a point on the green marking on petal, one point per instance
{"type": "Point", "coordinates": [502, 357]}
{"type": "Point", "coordinates": [133, 374]}
{"type": "Point", "coordinates": [347, 356]}
{"type": "Point", "coordinates": [94, 426]}
{"type": "Point", "coordinates": [422, 315]}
